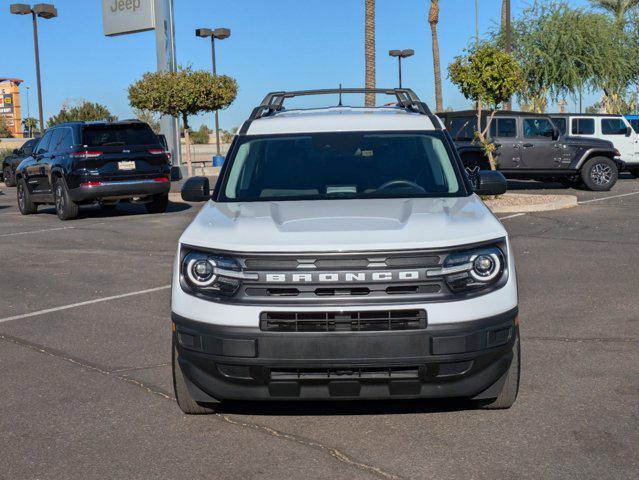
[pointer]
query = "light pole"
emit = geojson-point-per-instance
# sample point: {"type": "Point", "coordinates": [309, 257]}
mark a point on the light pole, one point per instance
{"type": "Point", "coordinates": [220, 34]}
{"type": "Point", "coordinates": [401, 54]}
{"type": "Point", "coordinates": [42, 10]}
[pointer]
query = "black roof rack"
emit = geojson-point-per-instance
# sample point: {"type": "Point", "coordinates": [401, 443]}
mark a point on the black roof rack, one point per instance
{"type": "Point", "coordinates": [406, 99]}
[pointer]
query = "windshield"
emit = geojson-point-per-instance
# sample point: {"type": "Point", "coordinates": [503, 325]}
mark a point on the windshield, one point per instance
{"type": "Point", "coordinates": [118, 135]}
{"type": "Point", "coordinates": [340, 165]}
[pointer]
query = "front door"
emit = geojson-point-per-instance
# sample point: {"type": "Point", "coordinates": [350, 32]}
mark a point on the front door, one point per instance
{"type": "Point", "coordinates": [615, 130]}
{"type": "Point", "coordinates": [540, 151]}
{"type": "Point", "coordinates": [503, 133]}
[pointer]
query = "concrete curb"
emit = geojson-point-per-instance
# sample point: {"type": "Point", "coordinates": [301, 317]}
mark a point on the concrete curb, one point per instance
{"type": "Point", "coordinates": [540, 203]}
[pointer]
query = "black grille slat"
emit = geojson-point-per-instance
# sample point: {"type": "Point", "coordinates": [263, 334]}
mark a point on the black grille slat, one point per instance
{"type": "Point", "coordinates": [355, 321]}
{"type": "Point", "coordinates": [346, 373]}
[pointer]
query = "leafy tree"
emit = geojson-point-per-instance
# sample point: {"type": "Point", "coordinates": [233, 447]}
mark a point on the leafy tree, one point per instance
{"type": "Point", "coordinates": [433, 20]}
{"type": "Point", "coordinates": [5, 132]}
{"type": "Point", "coordinates": [488, 76]}
{"type": "Point", "coordinates": [619, 9]}
{"type": "Point", "coordinates": [564, 50]}
{"type": "Point", "coordinates": [30, 124]}
{"type": "Point", "coordinates": [201, 136]}
{"type": "Point", "coordinates": [182, 93]}
{"type": "Point", "coordinates": [149, 118]}
{"type": "Point", "coordinates": [369, 50]}
{"type": "Point", "coordinates": [83, 112]}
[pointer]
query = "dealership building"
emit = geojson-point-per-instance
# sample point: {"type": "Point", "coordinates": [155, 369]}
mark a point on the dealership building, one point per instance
{"type": "Point", "coordinates": [10, 109]}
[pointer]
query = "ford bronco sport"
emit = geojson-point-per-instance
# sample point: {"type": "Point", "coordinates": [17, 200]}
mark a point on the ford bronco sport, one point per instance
{"type": "Point", "coordinates": [344, 255]}
{"type": "Point", "coordinates": [531, 146]}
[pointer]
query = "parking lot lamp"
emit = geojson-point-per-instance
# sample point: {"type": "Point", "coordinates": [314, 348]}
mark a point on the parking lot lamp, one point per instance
{"type": "Point", "coordinates": [219, 34]}
{"type": "Point", "coordinates": [409, 52]}
{"type": "Point", "coordinates": [42, 10]}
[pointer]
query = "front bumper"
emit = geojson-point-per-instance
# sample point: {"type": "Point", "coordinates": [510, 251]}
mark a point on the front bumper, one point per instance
{"type": "Point", "coordinates": [468, 359]}
{"type": "Point", "coordinates": [119, 189]}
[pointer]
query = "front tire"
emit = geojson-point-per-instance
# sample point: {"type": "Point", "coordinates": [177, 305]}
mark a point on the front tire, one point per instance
{"type": "Point", "coordinates": [508, 394]}
{"type": "Point", "coordinates": [182, 395]}
{"type": "Point", "coordinates": [25, 204]}
{"type": "Point", "coordinates": [599, 174]}
{"type": "Point", "coordinates": [158, 204]}
{"type": "Point", "coordinates": [65, 208]}
{"type": "Point", "coordinates": [9, 180]}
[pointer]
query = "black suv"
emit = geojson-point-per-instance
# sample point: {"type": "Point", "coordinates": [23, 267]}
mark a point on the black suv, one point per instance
{"type": "Point", "coordinates": [10, 162]}
{"type": "Point", "coordinates": [79, 163]}
{"type": "Point", "coordinates": [530, 146]}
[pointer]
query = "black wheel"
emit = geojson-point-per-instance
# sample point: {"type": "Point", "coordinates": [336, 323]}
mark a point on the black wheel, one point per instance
{"type": "Point", "coordinates": [66, 208]}
{"type": "Point", "coordinates": [158, 204]}
{"type": "Point", "coordinates": [9, 181]}
{"type": "Point", "coordinates": [182, 395]}
{"type": "Point", "coordinates": [108, 207]}
{"type": "Point", "coordinates": [25, 204]}
{"type": "Point", "coordinates": [509, 391]}
{"type": "Point", "coordinates": [599, 174]}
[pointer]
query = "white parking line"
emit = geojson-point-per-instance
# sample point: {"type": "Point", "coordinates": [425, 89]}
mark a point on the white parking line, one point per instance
{"type": "Point", "coordinates": [607, 198]}
{"type": "Point", "coordinates": [514, 215]}
{"type": "Point", "coordinates": [35, 231]}
{"type": "Point", "coordinates": [81, 304]}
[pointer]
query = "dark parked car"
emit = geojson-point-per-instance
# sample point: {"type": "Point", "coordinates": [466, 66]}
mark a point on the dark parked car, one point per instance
{"type": "Point", "coordinates": [530, 146]}
{"type": "Point", "coordinates": [80, 163]}
{"type": "Point", "coordinates": [10, 162]}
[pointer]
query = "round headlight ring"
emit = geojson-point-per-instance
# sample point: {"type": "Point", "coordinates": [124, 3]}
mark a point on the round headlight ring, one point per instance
{"type": "Point", "coordinates": [200, 271]}
{"type": "Point", "coordinates": [486, 266]}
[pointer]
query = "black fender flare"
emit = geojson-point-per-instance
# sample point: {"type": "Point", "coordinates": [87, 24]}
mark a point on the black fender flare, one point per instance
{"type": "Point", "coordinates": [595, 152]}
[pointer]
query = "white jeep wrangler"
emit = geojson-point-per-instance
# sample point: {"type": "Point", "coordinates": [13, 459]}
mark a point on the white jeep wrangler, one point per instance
{"type": "Point", "coordinates": [343, 255]}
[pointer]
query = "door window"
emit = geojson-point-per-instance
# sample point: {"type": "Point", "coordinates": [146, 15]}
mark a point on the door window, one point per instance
{"type": "Point", "coordinates": [503, 128]}
{"type": "Point", "coordinates": [583, 126]}
{"type": "Point", "coordinates": [538, 128]}
{"type": "Point", "coordinates": [560, 123]}
{"type": "Point", "coordinates": [613, 126]}
{"type": "Point", "coordinates": [43, 144]}
{"type": "Point", "coordinates": [462, 128]}
{"type": "Point", "coordinates": [56, 136]}
{"type": "Point", "coordinates": [65, 141]}
{"type": "Point", "coordinates": [635, 124]}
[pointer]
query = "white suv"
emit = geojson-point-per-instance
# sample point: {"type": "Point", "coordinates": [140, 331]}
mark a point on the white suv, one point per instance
{"type": "Point", "coordinates": [344, 255]}
{"type": "Point", "coordinates": [614, 128]}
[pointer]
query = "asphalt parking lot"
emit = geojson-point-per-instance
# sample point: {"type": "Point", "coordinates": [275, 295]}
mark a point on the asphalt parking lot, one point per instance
{"type": "Point", "coordinates": [86, 378]}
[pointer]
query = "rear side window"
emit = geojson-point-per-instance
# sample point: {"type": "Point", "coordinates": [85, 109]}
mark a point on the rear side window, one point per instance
{"type": "Point", "coordinates": [560, 122]}
{"type": "Point", "coordinates": [43, 144]}
{"type": "Point", "coordinates": [118, 135]}
{"type": "Point", "coordinates": [613, 126]}
{"type": "Point", "coordinates": [538, 128]}
{"type": "Point", "coordinates": [462, 128]}
{"type": "Point", "coordinates": [503, 128]}
{"type": "Point", "coordinates": [583, 126]}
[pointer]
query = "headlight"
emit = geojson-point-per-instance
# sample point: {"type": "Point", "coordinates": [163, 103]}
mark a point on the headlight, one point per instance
{"type": "Point", "coordinates": [472, 269]}
{"type": "Point", "coordinates": [211, 275]}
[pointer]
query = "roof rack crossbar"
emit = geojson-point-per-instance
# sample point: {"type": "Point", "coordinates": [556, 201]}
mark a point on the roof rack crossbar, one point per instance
{"type": "Point", "coordinates": [406, 98]}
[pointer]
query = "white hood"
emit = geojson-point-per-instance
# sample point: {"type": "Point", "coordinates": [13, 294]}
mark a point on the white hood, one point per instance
{"type": "Point", "coordinates": [343, 225]}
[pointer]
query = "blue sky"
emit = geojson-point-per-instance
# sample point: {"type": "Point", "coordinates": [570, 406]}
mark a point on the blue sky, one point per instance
{"type": "Point", "coordinates": [275, 45]}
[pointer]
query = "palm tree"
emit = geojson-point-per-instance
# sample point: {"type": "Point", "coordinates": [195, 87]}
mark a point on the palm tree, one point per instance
{"type": "Point", "coordinates": [433, 19]}
{"type": "Point", "coordinates": [369, 54]}
{"type": "Point", "coordinates": [617, 8]}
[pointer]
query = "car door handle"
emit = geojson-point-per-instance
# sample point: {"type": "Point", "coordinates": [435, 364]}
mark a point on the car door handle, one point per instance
{"type": "Point", "coordinates": [528, 145]}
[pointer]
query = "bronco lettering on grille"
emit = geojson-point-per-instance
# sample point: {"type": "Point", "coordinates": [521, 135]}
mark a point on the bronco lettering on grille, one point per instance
{"type": "Point", "coordinates": [345, 277]}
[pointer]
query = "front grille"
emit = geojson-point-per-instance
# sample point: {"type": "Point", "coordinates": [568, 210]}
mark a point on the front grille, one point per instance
{"type": "Point", "coordinates": [356, 321]}
{"type": "Point", "coordinates": [333, 262]}
{"type": "Point", "coordinates": [365, 373]}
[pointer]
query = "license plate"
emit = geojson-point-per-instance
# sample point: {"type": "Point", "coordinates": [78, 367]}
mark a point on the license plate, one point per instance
{"type": "Point", "coordinates": [126, 165]}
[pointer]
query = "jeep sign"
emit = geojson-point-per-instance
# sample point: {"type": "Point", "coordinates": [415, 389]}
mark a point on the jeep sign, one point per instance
{"type": "Point", "coordinates": [120, 17]}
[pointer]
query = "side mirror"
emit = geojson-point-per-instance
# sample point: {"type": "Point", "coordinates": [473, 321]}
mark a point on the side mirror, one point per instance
{"type": "Point", "coordinates": [490, 182]}
{"type": "Point", "coordinates": [176, 174]}
{"type": "Point", "coordinates": [196, 189]}
{"type": "Point", "coordinates": [628, 131]}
